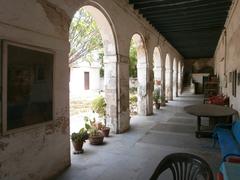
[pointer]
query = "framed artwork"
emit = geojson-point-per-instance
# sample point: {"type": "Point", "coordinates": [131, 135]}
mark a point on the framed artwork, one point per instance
{"type": "Point", "coordinates": [238, 78]}
{"type": "Point", "coordinates": [230, 76]}
{"type": "Point", "coordinates": [28, 81]}
{"type": "Point", "coordinates": [234, 83]}
{"type": "Point", "coordinates": [1, 85]}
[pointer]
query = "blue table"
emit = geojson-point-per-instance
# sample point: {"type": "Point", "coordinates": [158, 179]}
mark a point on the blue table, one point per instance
{"type": "Point", "coordinates": [230, 171]}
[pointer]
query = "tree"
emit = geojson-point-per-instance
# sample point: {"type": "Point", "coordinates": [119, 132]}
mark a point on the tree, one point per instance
{"type": "Point", "coordinates": [133, 60]}
{"type": "Point", "coordinates": [84, 37]}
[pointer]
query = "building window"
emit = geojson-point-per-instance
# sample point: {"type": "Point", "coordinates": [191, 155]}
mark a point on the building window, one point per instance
{"type": "Point", "coordinates": [27, 86]}
{"type": "Point", "coordinates": [86, 80]}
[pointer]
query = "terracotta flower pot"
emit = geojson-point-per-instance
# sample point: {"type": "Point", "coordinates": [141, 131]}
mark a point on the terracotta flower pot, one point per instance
{"type": "Point", "coordinates": [105, 131]}
{"type": "Point", "coordinates": [162, 104]}
{"type": "Point", "coordinates": [157, 105]}
{"type": "Point", "coordinates": [78, 147]}
{"type": "Point", "coordinates": [96, 140]}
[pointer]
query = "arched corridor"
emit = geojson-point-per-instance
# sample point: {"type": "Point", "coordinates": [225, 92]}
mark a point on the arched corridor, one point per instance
{"type": "Point", "coordinates": [171, 46]}
{"type": "Point", "coordinates": [142, 66]}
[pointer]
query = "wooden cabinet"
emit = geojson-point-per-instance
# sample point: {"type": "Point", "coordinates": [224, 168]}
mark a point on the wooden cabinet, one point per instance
{"type": "Point", "coordinates": [210, 88]}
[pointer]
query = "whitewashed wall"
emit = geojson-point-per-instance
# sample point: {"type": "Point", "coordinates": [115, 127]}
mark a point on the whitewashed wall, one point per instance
{"type": "Point", "coordinates": [227, 54]}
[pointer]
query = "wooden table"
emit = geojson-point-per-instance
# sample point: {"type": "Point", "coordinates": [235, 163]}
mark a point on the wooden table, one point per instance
{"type": "Point", "coordinates": [213, 112]}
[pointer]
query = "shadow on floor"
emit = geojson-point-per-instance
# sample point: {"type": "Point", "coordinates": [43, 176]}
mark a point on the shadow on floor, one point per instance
{"type": "Point", "coordinates": [135, 154]}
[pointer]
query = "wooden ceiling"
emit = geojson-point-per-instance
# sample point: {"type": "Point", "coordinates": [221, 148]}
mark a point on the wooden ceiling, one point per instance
{"type": "Point", "coordinates": [193, 27]}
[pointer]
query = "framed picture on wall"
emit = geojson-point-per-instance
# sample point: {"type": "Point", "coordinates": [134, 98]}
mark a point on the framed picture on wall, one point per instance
{"type": "Point", "coordinates": [1, 85]}
{"type": "Point", "coordinates": [238, 78]}
{"type": "Point", "coordinates": [234, 83]}
{"type": "Point", "coordinates": [230, 76]}
{"type": "Point", "coordinates": [28, 86]}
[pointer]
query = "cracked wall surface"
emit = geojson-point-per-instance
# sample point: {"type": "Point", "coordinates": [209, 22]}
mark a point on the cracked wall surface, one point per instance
{"type": "Point", "coordinates": [57, 16]}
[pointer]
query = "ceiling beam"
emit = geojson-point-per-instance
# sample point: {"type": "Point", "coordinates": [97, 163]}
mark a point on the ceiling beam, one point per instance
{"type": "Point", "coordinates": [186, 10]}
{"type": "Point", "coordinates": [219, 27]}
{"type": "Point", "coordinates": [177, 4]}
{"type": "Point", "coordinates": [187, 14]}
{"type": "Point", "coordinates": [183, 19]}
{"type": "Point", "coordinates": [146, 1]}
{"type": "Point", "coordinates": [189, 22]}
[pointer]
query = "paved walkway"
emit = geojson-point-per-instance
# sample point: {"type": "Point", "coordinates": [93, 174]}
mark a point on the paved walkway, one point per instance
{"type": "Point", "coordinates": [135, 154]}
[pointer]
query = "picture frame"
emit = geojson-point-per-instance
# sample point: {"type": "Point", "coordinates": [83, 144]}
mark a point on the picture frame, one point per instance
{"type": "Point", "coordinates": [27, 96]}
{"type": "Point", "coordinates": [238, 78]}
{"type": "Point", "coordinates": [230, 77]}
{"type": "Point", "coordinates": [234, 83]}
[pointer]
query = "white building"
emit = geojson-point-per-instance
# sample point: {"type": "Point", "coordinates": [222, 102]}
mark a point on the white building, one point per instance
{"type": "Point", "coordinates": [84, 77]}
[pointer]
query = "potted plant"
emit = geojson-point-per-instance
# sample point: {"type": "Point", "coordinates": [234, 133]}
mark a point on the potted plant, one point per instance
{"type": "Point", "coordinates": [156, 97]}
{"type": "Point", "coordinates": [78, 139]}
{"type": "Point", "coordinates": [101, 127]}
{"type": "Point", "coordinates": [162, 101]}
{"type": "Point", "coordinates": [99, 106]}
{"type": "Point", "coordinates": [133, 104]}
{"type": "Point", "coordinates": [95, 135]}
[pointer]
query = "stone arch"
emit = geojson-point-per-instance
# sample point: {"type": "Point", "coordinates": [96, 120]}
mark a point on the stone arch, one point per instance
{"type": "Point", "coordinates": [157, 63]}
{"type": "Point", "coordinates": [179, 78]}
{"type": "Point", "coordinates": [158, 71]}
{"type": "Point", "coordinates": [110, 59]}
{"type": "Point", "coordinates": [175, 78]}
{"type": "Point", "coordinates": [182, 73]}
{"type": "Point", "coordinates": [168, 77]}
{"type": "Point", "coordinates": [142, 67]}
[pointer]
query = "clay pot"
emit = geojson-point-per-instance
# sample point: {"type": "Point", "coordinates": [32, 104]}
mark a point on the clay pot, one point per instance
{"type": "Point", "coordinates": [105, 131]}
{"type": "Point", "coordinates": [78, 147]}
{"type": "Point", "coordinates": [157, 105]}
{"type": "Point", "coordinates": [163, 104]}
{"type": "Point", "coordinates": [96, 140]}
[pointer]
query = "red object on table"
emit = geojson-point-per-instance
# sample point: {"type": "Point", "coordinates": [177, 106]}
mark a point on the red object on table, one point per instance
{"type": "Point", "coordinates": [218, 100]}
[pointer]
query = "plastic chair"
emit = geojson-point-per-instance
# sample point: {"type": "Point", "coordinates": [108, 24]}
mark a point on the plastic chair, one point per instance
{"type": "Point", "coordinates": [184, 166]}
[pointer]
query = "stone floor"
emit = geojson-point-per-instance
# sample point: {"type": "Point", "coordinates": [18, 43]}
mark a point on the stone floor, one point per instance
{"type": "Point", "coordinates": [135, 154]}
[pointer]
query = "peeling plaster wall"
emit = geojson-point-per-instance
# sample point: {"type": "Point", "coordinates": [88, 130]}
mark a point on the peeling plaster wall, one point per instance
{"type": "Point", "coordinates": [43, 151]}
{"type": "Point", "coordinates": [227, 54]}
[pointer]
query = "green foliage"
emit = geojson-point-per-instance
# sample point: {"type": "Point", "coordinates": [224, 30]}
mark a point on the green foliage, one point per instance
{"type": "Point", "coordinates": [101, 64]}
{"type": "Point", "coordinates": [133, 99]}
{"type": "Point", "coordinates": [84, 37]}
{"type": "Point", "coordinates": [81, 136]}
{"type": "Point", "coordinates": [133, 90]}
{"type": "Point", "coordinates": [133, 60]}
{"type": "Point", "coordinates": [132, 103]}
{"type": "Point", "coordinates": [162, 98]}
{"type": "Point", "coordinates": [156, 94]}
{"type": "Point", "coordinates": [99, 106]}
{"type": "Point", "coordinates": [87, 122]}
{"type": "Point", "coordinates": [101, 72]}
{"type": "Point", "coordinates": [91, 127]}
